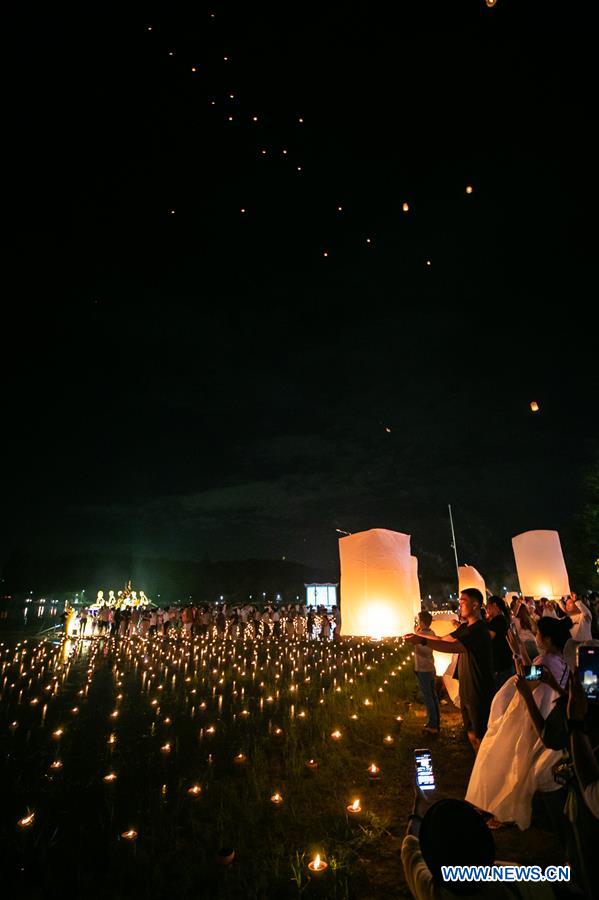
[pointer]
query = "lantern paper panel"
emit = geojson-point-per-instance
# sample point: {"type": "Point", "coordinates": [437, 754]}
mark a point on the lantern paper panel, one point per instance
{"type": "Point", "coordinates": [376, 584]}
{"type": "Point", "coordinates": [416, 600]}
{"type": "Point", "coordinates": [443, 624]}
{"type": "Point", "coordinates": [469, 577]}
{"type": "Point", "coordinates": [540, 565]}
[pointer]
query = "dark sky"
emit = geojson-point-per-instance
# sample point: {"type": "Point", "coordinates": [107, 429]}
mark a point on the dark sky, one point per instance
{"type": "Point", "coordinates": [206, 380]}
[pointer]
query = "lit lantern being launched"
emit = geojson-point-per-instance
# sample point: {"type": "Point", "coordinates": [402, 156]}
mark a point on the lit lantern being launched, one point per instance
{"type": "Point", "coordinates": [469, 577]}
{"type": "Point", "coordinates": [377, 588]}
{"type": "Point", "coordinates": [540, 565]}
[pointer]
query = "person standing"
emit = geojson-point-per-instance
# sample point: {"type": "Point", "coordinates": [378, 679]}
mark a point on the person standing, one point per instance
{"type": "Point", "coordinates": [424, 668]}
{"type": "Point", "coordinates": [472, 642]}
{"type": "Point", "coordinates": [498, 623]}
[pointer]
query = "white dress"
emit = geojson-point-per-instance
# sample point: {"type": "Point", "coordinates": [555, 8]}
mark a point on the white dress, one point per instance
{"type": "Point", "coordinates": [512, 762]}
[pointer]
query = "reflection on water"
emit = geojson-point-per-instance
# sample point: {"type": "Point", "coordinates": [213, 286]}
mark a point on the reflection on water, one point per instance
{"type": "Point", "coordinates": [30, 615]}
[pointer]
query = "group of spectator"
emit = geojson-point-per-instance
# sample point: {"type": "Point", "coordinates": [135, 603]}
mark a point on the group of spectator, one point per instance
{"type": "Point", "coordinates": [216, 620]}
{"type": "Point", "coordinates": [533, 740]}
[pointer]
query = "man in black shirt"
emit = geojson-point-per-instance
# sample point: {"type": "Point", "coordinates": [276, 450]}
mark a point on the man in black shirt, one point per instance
{"type": "Point", "coordinates": [498, 625]}
{"type": "Point", "coordinates": [475, 665]}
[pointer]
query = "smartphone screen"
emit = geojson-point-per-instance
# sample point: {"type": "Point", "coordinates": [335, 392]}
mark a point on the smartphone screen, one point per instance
{"type": "Point", "coordinates": [587, 660]}
{"type": "Point", "coordinates": [425, 778]}
{"type": "Point", "coordinates": [533, 673]}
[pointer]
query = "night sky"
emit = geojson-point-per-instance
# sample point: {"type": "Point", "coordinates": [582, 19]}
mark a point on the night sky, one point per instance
{"type": "Point", "coordinates": [218, 350]}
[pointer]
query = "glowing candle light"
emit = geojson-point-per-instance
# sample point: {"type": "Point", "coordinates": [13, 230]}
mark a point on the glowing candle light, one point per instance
{"type": "Point", "coordinates": [354, 807]}
{"type": "Point", "coordinates": [129, 835]}
{"type": "Point", "coordinates": [166, 748]}
{"type": "Point", "coordinates": [56, 765]}
{"type": "Point", "coordinates": [311, 764]}
{"type": "Point", "coordinates": [388, 740]}
{"type": "Point", "coordinates": [406, 207]}
{"type": "Point", "coordinates": [534, 406]}
{"type": "Point", "coordinates": [374, 772]}
{"type": "Point", "coordinates": [336, 735]}
{"type": "Point", "coordinates": [240, 759]}
{"type": "Point", "coordinates": [110, 778]}
{"type": "Point", "coordinates": [276, 799]}
{"type": "Point", "coordinates": [317, 864]}
{"type": "Point", "coordinates": [195, 790]}
{"type": "Point", "coordinates": [26, 821]}
{"type": "Point", "coordinates": [57, 734]}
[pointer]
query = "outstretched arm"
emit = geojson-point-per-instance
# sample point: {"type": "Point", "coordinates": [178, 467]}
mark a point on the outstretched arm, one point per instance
{"type": "Point", "coordinates": [447, 644]}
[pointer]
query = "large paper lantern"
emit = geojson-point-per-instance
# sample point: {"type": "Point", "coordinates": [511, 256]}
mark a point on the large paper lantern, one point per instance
{"type": "Point", "coordinates": [540, 565]}
{"type": "Point", "coordinates": [416, 599]}
{"type": "Point", "coordinates": [377, 597]}
{"type": "Point", "coordinates": [443, 624]}
{"type": "Point", "coordinates": [469, 577]}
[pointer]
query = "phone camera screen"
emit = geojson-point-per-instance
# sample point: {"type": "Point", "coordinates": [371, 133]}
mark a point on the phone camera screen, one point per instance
{"type": "Point", "coordinates": [425, 778]}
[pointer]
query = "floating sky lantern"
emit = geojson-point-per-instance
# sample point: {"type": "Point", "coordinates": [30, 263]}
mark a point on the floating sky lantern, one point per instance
{"type": "Point", "coordinates": [534, 406]}
{"type": "Point", "coordinates": [405, 207]}
{"type": "Point", "coordinates": [540, 565]}
{"type": "Point", "coordinates": [469, 189]}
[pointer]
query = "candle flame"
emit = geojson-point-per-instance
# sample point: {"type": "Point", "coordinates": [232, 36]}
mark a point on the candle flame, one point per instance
{"type": "Point", "coordinates": [27, 820]}
{"type": "Point", "coordinates": [356, 805]}
{"type": "Point", "coordinates": [316, 863]}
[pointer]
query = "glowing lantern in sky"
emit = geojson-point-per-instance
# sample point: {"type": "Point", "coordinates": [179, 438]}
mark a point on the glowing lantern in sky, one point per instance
{"type": "Point", "coordinates": [406, 207]}
{"type": "Point", "coordinates": [490, 3]}
{"type": "Point", "coordinates": [376, 584]}
{"type": "Point", "coordinates": [534, 406]}
{"type": "Point", "coordinates": [540, 565]}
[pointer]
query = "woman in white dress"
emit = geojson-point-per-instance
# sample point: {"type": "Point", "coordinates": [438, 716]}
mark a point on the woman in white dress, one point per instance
{"type": "Point", "coordinates": [512, 762]}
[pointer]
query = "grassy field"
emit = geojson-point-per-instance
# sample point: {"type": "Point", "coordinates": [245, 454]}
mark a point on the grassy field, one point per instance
{"type": "Point", "coordinates": [168, 715]}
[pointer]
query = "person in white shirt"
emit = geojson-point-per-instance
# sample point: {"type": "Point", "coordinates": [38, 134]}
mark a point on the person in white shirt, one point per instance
{"type": "Point", "coordinates": [581, 618]}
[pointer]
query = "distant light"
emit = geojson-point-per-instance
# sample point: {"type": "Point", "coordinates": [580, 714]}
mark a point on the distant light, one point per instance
{"type": "Point", "coordinates": [254, 118]}
{"type": "Point", "coordinates": [339, 209]}
{"type": "Point", "coordinates": [405, 207]}
{"type": "Point", "coordinates": [534, 406]}
{"type": "Point", "coordinates": [469, 189]}
{"type": "Point", "coordinates": [428, 262]}
{"type": "Point", "coordinates": [231, 96]}
{"type": "Point", "coordinates": [241, 210]}
{"type": "Point", "coordinates": [193, 69]}
{"type": "Point", "coordinates": [490, 3]}
{"type": "Point", "coordinates": [171, 53]}
{"type": "Point", "coordinates": [387, 429]}
{"type": "Point", "coordinates": [225, 58]}
{"type": "Point", "coordinates": [299, 168]}
{"type": "Point", "coordinates": [171, 212]}
{"type": "Point", "coordinates": [301, 121]}
{"type": "Point", "coordinates": [149, 28]}
{"type": "Point", "coordinates": [368, 241]}
{"type": "Point", "coordinates": [325, 253]}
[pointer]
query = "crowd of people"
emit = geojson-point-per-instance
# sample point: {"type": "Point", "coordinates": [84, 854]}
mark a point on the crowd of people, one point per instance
{"type": "Point", "coordinates": [216, 620]}
{"type": "Point", "coordinates": [533, 731]}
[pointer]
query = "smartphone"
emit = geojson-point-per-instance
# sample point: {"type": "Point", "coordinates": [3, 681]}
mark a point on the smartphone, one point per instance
{"type": "Point", "coordinates": [533, 673]}
{"type": "Point", "coordinates": [425, 777]}
{"type": "Point", "coordinates": [587, 662]}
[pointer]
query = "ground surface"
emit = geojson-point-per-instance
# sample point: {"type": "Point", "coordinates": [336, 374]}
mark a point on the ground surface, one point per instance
{"type": "Point", "coordinates": [169, 693]}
